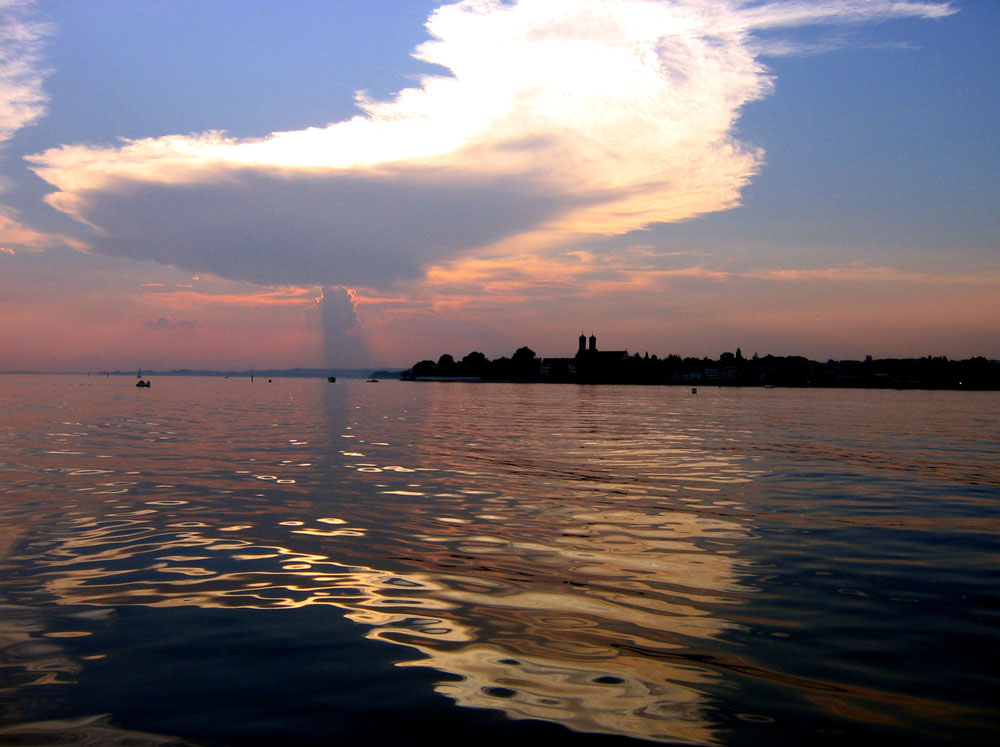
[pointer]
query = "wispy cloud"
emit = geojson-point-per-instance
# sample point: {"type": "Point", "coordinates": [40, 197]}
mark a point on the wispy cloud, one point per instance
{"type": "Point", "coordinates": [22, 102]}
{"type": "Point", "coordinates": [22, 98]}
{"type": "Point", "coordinates": [13, 233]}
{"type": "Point", "coordinates": [226, 295]}
{"type": "Point", "coordinates": [791, 13]}
{"type": "Point", "coordinates": [558, 118]}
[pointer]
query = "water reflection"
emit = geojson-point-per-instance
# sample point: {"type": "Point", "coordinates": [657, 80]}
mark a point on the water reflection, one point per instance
{"type": "Point", "coordinates": [623, 561]}
{"type": "Point", "coordinates": [90, 731]}
{"type": "Point", "coordinates": [557, 572]}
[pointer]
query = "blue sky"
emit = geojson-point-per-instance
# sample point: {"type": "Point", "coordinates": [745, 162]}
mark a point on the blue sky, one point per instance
{"type": "Point", "coordinates": [751, 175]}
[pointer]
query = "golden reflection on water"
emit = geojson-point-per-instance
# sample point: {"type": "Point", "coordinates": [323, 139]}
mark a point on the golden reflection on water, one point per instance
{"type": "Point", "coordinates": [540, 629]}
{"type": "Point", "coordinates": [89, 731]}
{"type": "Point", "coordinates": [569, 554]}
{"type": "Point", "coordinates": [542, 569]}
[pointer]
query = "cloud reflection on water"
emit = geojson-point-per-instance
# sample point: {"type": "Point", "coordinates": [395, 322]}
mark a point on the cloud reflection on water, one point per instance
{"type": "Point", "coordinates": [562, 574]}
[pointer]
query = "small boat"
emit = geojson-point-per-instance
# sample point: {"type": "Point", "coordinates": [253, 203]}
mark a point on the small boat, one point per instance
{"type": "Point", "coordinates": [372, 381]}
{"type": "Point", "coordinates": [331, 379]}
{"type": "Point", "coordinates": [694, 390]}
{"type": "Point", "coordinates": [143, 384]}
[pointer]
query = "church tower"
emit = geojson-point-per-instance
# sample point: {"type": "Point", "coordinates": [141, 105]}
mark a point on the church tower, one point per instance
{"type": "Point", "coordinates": [583, 343]}
{"type": "Point", "coordinates": [593, 344]}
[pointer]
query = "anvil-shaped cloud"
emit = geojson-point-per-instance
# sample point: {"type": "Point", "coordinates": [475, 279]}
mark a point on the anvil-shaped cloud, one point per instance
{"type": "Point", "coordinates": [558, 117]}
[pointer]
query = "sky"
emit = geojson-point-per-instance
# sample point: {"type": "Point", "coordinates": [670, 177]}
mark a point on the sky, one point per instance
{"type": "Point", "coordinates": [252, 184]}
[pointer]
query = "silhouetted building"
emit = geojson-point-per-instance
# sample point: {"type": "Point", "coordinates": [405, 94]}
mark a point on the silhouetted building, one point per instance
{"type": "Point", "coordinates": [596, 365]}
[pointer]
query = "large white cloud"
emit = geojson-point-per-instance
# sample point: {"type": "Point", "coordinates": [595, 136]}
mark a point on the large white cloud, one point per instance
{"type": "Point", "coordinates": [558, 116]}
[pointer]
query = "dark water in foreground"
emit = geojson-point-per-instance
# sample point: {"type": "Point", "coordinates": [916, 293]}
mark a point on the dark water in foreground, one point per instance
{"type": "Point", "coordinates": [298, 562]}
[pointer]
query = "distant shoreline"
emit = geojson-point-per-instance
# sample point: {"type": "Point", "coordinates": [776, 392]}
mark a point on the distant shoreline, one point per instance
{"type": "Point", "coordinates": [278, 373]}
{"type": "Point", "coordinates": [593, 366]}
{"type": "Point", "coordinates": [619, 368]}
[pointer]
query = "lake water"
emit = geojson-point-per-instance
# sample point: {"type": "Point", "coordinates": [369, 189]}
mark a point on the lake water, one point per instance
{"type": "Point", "coordinates": [215, 561]}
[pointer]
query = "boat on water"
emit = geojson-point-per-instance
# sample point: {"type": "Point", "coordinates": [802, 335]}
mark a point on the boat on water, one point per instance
{"type": "Point", "coordinates": [372, 381]}
{"type": "Point", "coordinates": [143, 384]}
{"type": "Point", "coordinates": [331, 379]}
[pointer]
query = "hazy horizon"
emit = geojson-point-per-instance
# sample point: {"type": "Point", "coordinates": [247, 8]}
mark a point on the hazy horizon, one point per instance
{"type": "Point", "coordinates": [365, 370]}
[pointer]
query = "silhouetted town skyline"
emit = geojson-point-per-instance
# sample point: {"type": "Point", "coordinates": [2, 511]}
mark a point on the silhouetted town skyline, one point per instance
{"type": "Point", "coordinates": [591, 365]}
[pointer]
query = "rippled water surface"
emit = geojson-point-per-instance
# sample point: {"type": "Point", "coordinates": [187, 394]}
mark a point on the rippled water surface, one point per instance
{"type": "Point", "coordinates": [226, 562]}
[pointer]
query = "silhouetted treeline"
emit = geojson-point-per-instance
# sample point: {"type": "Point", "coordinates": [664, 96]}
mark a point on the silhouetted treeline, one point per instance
{"type": "Point", "coordinates": [523, 365]}
{"type": "Point", "coordinates": [730, 369]}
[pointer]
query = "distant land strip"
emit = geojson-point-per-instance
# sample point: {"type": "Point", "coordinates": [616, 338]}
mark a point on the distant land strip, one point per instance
{"type": "Point", "coordinates": [593, 366]}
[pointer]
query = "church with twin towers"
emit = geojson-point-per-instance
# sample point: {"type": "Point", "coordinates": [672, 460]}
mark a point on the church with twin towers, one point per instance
{"type": "Point", "coordinates": [588, 362]}
{"type": "Point", "coordinates": [588, 350]}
